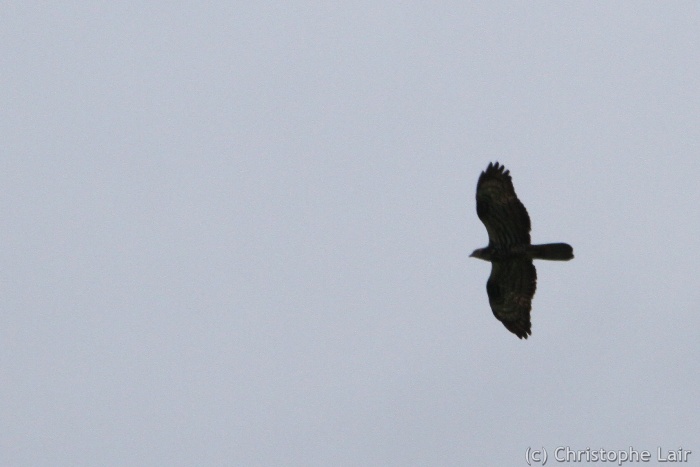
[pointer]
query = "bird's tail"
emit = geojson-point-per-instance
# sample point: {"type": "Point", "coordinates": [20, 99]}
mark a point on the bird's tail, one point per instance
{"type": "Point", "coordinates": [552, 251]}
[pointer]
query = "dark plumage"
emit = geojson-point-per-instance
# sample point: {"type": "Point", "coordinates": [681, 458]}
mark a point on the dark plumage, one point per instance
{"type": "Point", "coordinates": [513, 279]}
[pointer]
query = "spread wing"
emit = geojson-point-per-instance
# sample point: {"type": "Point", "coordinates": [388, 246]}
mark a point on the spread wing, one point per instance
{"type": "Point", "coordinates": [511, 287]}
{"type": "Point", "coordinates": [499, 208]}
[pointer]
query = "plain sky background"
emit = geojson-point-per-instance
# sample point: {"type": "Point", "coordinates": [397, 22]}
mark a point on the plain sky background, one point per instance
{"type": "Point", "coordinates": [237, 233]}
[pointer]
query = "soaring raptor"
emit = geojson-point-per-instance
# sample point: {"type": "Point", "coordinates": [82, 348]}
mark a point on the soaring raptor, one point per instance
{"type": "Point", "coordinates": [513, 279]}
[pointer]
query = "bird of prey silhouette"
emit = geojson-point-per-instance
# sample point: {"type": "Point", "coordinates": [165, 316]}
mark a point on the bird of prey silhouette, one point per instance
{"type": "Point", "coordinates": [513, 278]}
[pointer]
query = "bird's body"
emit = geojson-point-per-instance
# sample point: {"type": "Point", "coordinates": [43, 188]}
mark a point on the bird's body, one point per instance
{"type": "Point", "coordinates": [513, 279]}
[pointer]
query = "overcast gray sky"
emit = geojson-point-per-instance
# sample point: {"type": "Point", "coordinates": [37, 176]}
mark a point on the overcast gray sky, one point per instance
{"type": "Point", "coordinates": [237, 233]}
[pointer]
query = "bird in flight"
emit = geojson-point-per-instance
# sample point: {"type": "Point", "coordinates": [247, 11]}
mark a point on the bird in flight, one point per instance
{"type": "Point", "coordinates": [513, 278]}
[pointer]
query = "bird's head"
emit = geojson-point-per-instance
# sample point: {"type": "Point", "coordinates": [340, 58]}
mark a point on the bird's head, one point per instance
{"type": "Point", "coordinates": [481, 253]}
